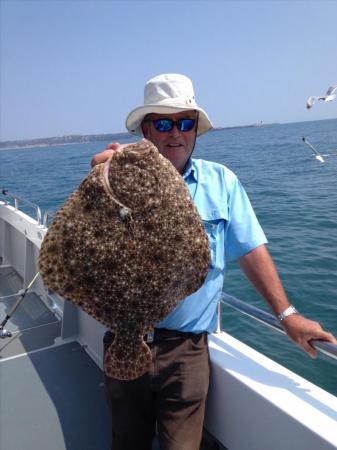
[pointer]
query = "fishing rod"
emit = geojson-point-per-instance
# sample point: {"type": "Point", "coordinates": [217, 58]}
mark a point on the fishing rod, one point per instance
{"type": "Point", "coordinates": [4, 333]}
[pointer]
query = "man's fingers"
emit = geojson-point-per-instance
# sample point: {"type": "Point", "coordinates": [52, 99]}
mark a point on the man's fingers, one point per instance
{"type": "Point", "coordinates": [320, 335]}
{"type": "Point", "coordinates": [330, 338]}
{"type": "Point", "coordinates": [308, 348]}
{"type": "Point", "coordinates": [101, 157]}
{"type": "Point", "coordinates": [112, 146]}
{"type": "Point", "coordinates": [303, 331]}
{"type": "Point", "coordinates": [105, 154]}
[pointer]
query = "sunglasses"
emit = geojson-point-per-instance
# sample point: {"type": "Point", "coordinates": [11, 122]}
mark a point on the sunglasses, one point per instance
{"type": "Point", "coordinates": [164, 125]}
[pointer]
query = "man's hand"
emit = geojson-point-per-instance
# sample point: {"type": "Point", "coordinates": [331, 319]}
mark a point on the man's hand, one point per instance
{"type": "Point", "coordinates": [105, 154]}
{"type": "Point", "coordinates": [302, 330]}
{"type": "Point", "coordinates": [260, 270]}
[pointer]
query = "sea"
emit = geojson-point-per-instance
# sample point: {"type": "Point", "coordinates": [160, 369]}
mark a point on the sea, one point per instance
{"type": "Point", "coordinates": [295, 199]}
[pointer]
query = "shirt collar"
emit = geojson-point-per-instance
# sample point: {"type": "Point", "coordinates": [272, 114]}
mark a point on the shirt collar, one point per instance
{"type": "Point", "coordinates": [190, 170]}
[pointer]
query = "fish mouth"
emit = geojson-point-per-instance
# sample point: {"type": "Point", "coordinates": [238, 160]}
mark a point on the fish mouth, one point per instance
{"type": "Point", "coordinates": [106, 168]}
{"type": "Point", "coordinates": [131, 153]}
{"type": "Point", "coordinates": [105, 172]}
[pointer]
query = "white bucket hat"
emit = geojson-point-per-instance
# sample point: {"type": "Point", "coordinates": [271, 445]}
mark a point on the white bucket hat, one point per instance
{"type": "Point", "coordinates": [167, 94]}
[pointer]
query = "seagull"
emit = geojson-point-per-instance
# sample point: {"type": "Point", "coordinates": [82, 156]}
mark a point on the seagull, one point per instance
{"type": "Point", "coordinates": [316, 153]}
{"type": "Point", "coordinates": [328, 97]}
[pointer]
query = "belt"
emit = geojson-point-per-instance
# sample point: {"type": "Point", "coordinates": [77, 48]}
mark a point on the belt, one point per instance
{"type": "Point", "coordinates": [162, 334]}
{"type": "Point", "coordinates": [159, 334]}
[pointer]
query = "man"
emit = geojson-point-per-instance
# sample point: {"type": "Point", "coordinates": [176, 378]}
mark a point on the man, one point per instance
{"type": "Point", "coordinates": [171, 396]}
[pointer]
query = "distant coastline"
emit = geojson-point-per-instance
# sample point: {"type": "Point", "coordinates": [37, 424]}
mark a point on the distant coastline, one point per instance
{"type": "Point", "coordinates": [82, 139]}
{"type": "Point", "coordinates": [60, 140]}
{"type": "Point", "coordinates": [112, 137]}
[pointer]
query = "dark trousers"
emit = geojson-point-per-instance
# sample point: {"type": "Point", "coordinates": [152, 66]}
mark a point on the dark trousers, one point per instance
{"type": "Point", "coordinates": [169, 398]}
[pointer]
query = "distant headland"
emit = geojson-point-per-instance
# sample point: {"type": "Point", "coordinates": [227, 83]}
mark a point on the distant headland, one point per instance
{"type": "Point", "coordinates": [80, 139]}
{"type": "Point", "coordinates": [60, 140]}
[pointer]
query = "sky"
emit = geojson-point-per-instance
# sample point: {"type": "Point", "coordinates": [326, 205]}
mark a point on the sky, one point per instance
{"type": "Point", "coordinates": [79, 66]}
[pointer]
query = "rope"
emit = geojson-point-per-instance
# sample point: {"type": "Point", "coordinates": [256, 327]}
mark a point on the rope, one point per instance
{"type": "Point", "coordinates": [20, 292]}
{"type": "Point", "coordinates": [17, 303]}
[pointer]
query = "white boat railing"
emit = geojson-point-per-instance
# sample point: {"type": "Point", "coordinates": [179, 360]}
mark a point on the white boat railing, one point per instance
{"type": "Point", "coordinates": [269, 320]}
{"type": "Point", "coordinates": [16, 199]}
{"type": "Point", "coordinates": [47, 215]}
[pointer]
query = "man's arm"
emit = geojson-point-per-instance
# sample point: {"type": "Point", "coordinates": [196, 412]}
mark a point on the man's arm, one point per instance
{"type": "Point", "coordinates": [259, 268]}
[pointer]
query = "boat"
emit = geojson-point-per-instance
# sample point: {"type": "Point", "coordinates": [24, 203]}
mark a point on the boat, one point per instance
{"type": "Point", "coordinates": [51, 382]}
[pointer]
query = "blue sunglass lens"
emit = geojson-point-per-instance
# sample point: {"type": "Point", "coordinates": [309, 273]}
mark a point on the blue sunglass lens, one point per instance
{"type": "Point", "coordinates": [164, 125]}
{"type": "Point", "coordinates": [185, 124]}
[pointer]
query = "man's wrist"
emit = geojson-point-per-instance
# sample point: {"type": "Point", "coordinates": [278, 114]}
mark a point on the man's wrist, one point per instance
{"type": "Point", "coordinates": [287, 312]}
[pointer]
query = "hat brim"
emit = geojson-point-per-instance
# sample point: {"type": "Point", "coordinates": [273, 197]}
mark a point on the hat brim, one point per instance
{"type": "Point", "coordinates": [134, 120]}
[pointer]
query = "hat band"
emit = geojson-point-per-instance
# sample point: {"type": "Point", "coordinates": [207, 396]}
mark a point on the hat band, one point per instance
{"type": "Point", "coordinates": [175, 103]}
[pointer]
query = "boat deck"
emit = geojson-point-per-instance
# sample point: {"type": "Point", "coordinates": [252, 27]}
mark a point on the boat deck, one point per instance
{"type": "Point", "coordinates": [53, 398]}
{"type": "Point", "coordinates": [52, 392]}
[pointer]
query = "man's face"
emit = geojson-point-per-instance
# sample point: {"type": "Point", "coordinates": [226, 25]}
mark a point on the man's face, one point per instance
{"type": "Point", "coordinates": [175, 145]}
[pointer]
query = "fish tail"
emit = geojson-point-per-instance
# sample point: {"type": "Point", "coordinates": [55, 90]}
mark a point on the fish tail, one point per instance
{"type": "Point", "coordinates": [127, 359]}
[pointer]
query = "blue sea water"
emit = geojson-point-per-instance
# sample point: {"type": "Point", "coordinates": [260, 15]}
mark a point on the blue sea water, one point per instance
{"type": "Point", "coordinates": [293, 194]}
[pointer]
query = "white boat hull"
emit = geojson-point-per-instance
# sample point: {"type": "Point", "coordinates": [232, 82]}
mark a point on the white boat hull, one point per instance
{"type": "Point", "coordinates": [253, 403]}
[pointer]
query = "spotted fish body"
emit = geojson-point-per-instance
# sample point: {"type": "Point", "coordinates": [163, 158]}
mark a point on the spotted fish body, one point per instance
{"type": "Point", "coordinates": [126, 247]}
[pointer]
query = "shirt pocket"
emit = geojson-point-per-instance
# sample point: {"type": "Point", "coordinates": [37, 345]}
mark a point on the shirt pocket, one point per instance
{"type": "Point", "coordinates": [215, 224]}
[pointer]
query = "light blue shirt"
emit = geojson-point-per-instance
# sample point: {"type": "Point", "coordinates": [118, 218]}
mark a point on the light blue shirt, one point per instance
{"type": "Point", "coordinates": [233, 230]}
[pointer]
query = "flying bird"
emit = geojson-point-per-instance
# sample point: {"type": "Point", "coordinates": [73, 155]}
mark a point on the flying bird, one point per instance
{"type": "Point", "coordinates": [328, 97]}
{"type": "Point", "coordinates": [316, 153]}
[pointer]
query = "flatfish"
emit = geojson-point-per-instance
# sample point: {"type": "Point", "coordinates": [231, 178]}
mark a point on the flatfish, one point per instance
{"type": "Point", "coordinates": [126, 247]}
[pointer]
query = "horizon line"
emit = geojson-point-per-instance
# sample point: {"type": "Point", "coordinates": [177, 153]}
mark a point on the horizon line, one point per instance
{"type": "Point", "coordinates": [127, 133]}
